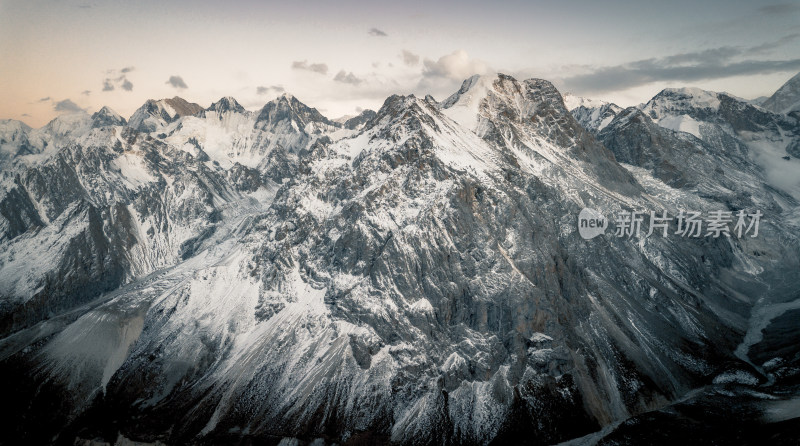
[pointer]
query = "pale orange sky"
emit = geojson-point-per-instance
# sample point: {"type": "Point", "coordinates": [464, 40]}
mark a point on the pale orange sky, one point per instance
{"type": "Point", "coordinates": [621, 51]}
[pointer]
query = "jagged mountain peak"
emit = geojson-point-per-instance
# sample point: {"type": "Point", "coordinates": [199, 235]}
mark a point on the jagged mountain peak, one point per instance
{"type": "Point", "coordinates": [155, 114]}
{"type": "Point", "coordinates": [786, 99]}
{"type": "Point", "coordinates": [401, 108]}
{"type": "Point", "coordinates": [183, 107]}
{"type": "Point", "coordinates": [359, 121]}
{"type": "Point", "coordinates": [255, 270]}
{"type": "Point", "coordinates": [106, 117]}
{"type": "Point", "coordinates": [525, 97]}
{"type": "Point", "coordinates": [686, 98]}
{"type": "Point", "coordinates": [473, 89]}
{"type": "Point", "coordinates": [573, 101]}
{"type": "Point", "coordinates": [226, 104]}
{"type": "Point", "coordinates": [288, 108]}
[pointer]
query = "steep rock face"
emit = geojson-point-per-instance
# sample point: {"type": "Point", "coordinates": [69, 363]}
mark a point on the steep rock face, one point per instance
{"type": "Point", "coordinates": [225, 105]}
{"type": "Point", "coordinates": [682, 160]}
{"type": "Point", "coordinates": [786, 99]}
{"type": "Point", "coordinates": [270, 141]}
{"type": "Point", "coordinates": [420, 281]}
{"type": "Point", "coordinates": [116, 204]}
{"type": "Point", "coordinates": [358, 122]}
{"type": "Point", "coordinates": [154, 115]}
{"type": "Point", "coordinates": [106, 117]}
{"type": "Point", "coordinates": [732, 128]}
{"type": "Point", "coordinates": [14, 139]}
{"type": "Point", "coordinates": [532, 115]}
{"type": "Point", "coordinates": [591, 114]}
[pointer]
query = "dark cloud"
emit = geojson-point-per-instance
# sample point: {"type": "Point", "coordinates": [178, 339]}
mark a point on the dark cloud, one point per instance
{"type": "Point", "coordinates": [410, 58]}
{"type": "Point", "coordinates": [26, 115]}
{"type": "Point", "coordinates": [127, 85]}
{"type": "Point", "coordinates": [265, 90]}
{"type": "Point", "coordinates": [66, 106]}
{"type": "Point", "coordinates": [320, 68]}
{"type": "Point", "coordinates": [375, 32]}
{"type": "Point", "coordinates": [44, 99]}
{"type": "Point", "coordinates": [653, 70]}
{"type": "Point", "coordinates": [86, 92]}
{"type": "Point", "coordinates": [127, 69]}
{"type": "Point", "coordinates": [107, 85]}
{"type": "Point", "coordinates": [177, 82]}
{"type": "Point", "coordinates": [347, 78]}
{"type": "Point", "coordinates": [769, 46]}
{"type": "Point", "coordinates": [783, 8]}
{"type": "Point", "coordinates": [714, 63]}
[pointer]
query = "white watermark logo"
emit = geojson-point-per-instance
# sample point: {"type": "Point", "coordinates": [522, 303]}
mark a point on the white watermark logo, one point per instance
{"type": "Point", "coordinates": [592, 223]}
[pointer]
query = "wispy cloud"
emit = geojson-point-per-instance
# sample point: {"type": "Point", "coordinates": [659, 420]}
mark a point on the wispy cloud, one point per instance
{"type": "Point", "coordinates": [375, 32]}
{"type": "Point", "coordinates": [347, 78]}
{"type": "Point", "coordinates": [320, 68]}
{"type": "Point", "coordinates": [66, 106]}
{"type": "Point", "coordinates": [708, 64]}
{"type": "Point", "coordinates": [769, 46]}
{"type": "Point", "coordinates": [86, 92]}
{"type": "Point", "coordinates": [177, 82]}
{"type": "Point", "coordinates": [410, 58]}
{"type": "Point", "coordinates": [118, 78]}
{"type": "Point", "coordinates": [44, 99]}
{"type": "Point", "coordinates": [457, 65]}
{"type": "Point", "coordinates": [782, 8]}
{"type": "Point", "coordinates": [262, 90]}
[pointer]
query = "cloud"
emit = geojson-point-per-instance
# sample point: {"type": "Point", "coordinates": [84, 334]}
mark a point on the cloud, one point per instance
{"type": "Point", "coordinates": [320, 68]}
{"type": "Point", "coordinates": [375, 32]}
{"type": "Point", "coordinates": [265, 90]}
{"type": "Point", "coordinates": [86, 92]}
{"type": "Point", "coordinates": [44, 99]}
{"type": "Point", "coordinates": [456, 65]}
{"type": "Point", "coordinates": [410, 58]}
{"type": "Point", "coordinates": [714, 63]}
{"type": "Point", "coordinates": [769, 46]}
{"type": "Point", "coordinates": [783, 8]}
{"type": "Point", "coordinates": [118, 79]}
{"type": "Point", "coordinates": [347, 78]}
{"type": "Point", "coordinates": [177, 82]}
{"type": "Point", "coordinates": [66, 106]}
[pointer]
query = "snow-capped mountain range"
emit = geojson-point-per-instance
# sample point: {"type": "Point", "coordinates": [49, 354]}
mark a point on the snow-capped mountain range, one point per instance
{"type": "Point", "coordinates": [407, 276]}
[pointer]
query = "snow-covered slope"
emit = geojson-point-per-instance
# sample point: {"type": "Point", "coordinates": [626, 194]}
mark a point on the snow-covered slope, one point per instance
{"type": "Point", "coordinates": [225, 276]}
{"type": "Point", "coordinates": [592, 114]}
{"type": "Point", "coordinates": [786, 99]}
{"type": "Point", "coordinates": [733, 127]}
{"type": "Point", "coordinates": [154, 115]}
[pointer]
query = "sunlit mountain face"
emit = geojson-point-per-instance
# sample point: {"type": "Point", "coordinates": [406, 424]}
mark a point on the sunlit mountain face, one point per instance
{"type": "Point", "coordinates": [399, 224]}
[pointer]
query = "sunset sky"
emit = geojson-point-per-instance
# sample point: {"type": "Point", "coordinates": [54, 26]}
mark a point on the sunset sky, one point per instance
{"type": "Point", "coordinates": [61, 56]}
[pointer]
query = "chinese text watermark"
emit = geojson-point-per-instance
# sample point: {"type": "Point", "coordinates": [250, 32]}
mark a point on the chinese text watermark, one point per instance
{"type": "Point", "coordinates": [694, 224]}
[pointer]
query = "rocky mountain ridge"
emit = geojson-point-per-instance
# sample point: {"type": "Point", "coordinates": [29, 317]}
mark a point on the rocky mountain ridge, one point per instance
{"type": "Point", "coordinates": [415, 277]}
